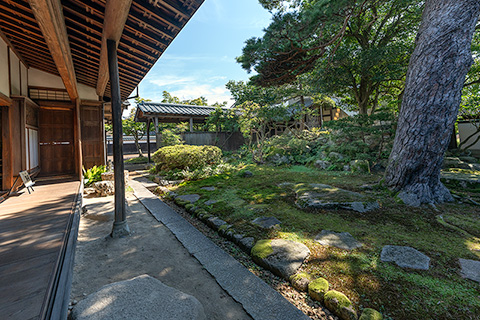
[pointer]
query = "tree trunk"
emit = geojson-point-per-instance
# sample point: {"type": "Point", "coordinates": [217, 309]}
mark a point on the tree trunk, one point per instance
{"type": "Point", "coordinates": [435, 77]}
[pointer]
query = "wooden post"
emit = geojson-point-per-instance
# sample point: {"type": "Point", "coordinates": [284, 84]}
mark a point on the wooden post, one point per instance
{"type": "Point", "coordinates": [7, 125]}
{"type": "Point", "coordinates": [120, 226]}
{"type": "Point", "coordinates": [191, 124]}
{"type": "Point", "coordinates": [148, 139]}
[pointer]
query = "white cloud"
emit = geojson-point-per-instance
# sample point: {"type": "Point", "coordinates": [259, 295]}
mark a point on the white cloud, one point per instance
{"type": "Point", "coordinates": [170, 80]}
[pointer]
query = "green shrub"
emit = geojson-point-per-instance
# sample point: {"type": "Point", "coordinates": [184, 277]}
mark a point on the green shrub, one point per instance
{"type": "Point", "coordinates": [170, 138]}
{"type": "Point", "coordinates": [93, 174]}
{"type": "Point", "coordinates": [183, 157]}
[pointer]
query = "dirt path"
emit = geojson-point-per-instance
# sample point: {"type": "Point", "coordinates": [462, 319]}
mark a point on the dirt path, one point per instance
{"type": "Point", "coordinates": [151, 249]}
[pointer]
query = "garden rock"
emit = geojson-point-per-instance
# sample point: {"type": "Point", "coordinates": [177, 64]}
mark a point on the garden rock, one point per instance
{"type": "Point", "coordinates": [266, 222]}
{"type": "Point", "coordinates": [89, 192]}
{"type": "Point", "coordinates": [340, 305]}
{"type": "Point", "coordinates": [342, 240]}
{"type": "Point", "coordinates": [322, 164]}
{"type": "Point", "coordinates": [371, 314]}
{"type": "Point", "coordinates": [322, 196]}
{"type": "Point", "coordinates": [405, 257]}
{"type": "Point", "coordinates": [247, 243]}
{"type": "Point", "coordinates": [192, 198]}
{"type": "Point", "coordinates": [110, 176]}
{"type": "Point", "coordinates": [282, 257]}
{"type": "Point", "coordinates": [210, 202]}
{"type": "Point", "coordinates": [346, 167]}
{"type": "Point", "coordinates": [470, 269]}
{"type": "Point", "coordinates": [215, 222]}
{"type": "Point", "coordinates": [279, 160]}
{"type": "Point", "coordinates": [208, 188]}
{"type": "Point", "coordinates": [142, 297]}
{"type": "Point", "coordinates": [317, 289]}
{"type": "Point", "coordinates": [361, 166]}
{"type": "Point", "coordinates": [246, 174]}
{"type": "Point", "coordinates": [335, 156]}
{"type": "Point", "coordinates": [104, 188]}
{"type": "Point", "coordinates": [301, 280]}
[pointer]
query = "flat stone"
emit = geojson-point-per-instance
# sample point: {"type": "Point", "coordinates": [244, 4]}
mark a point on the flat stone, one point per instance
{"type": "Point", "coordinates": [142, 297]}
{"type": "Point", "coordinates": [470, 269]}
{"type": "Point", "coordinates": [285, 258]}
{"type": "Point", "coordinates": [215, 222]}
{"type": "Point", "coordinates": [322, 196]}
{"type": "Point", "coordinates": [208, 188]}
{"type": "Point", "coordinates": [192, 198]}
{"type": "Point", "coordinates": [210, 202]}
{"type": "Point", "coordinates": [266, 222]}
{"type": "Point", "coordinates": [342, 240]}
{"type": "Point", "coordinates": [405, 257]}
{"type": "Point", "coordinates": [246, 243]}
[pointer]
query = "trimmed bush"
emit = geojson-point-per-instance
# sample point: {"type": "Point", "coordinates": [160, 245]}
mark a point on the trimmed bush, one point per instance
{"type": "Point", "coordinates": [186, 156]}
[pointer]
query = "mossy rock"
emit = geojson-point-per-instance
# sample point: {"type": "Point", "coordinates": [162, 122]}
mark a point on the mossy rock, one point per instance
{"type": "Point", "coordinates": [301, 280]}
{"type": "Point", "coordinates": [370, 314]}
{"type": "Point", "coordinates": [318, 288]}
{"type": "Point", "coordinates": [340, 305]}
{"type": "Point", "coordinates": [189, 207]}
{"type": "Point", "coordinates": [262, 249]}
{"type": "Point", "coordinates": [182, 203]}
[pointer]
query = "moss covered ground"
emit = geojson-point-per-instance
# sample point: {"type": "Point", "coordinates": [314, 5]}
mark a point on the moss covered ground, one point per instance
{"type": "Point", "coordinates": [439, 293]}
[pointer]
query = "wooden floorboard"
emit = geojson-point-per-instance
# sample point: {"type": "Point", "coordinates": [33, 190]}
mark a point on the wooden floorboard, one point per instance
{"type": "Point", "coordinates": [32, 230]}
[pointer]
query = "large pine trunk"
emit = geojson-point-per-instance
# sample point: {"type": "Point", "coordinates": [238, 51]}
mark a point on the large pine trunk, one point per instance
{"type": "Point", "coordinates": [435, 78]}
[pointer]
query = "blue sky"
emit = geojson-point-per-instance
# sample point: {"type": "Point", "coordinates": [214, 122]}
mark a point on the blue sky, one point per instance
{"type": "Point", "coordinates": [201, 59]}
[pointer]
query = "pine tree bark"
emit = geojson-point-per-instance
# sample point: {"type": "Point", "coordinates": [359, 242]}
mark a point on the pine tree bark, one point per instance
{"type": "Point", "coordinates": [435, 77]}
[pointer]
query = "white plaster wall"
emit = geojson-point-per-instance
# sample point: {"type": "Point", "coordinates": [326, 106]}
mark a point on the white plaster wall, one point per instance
{"type": "Point", "coordinates": [14, 73]}
{"type": "Point", "coordinates": [24, 78]}
{"type": "Point", "coordinates": [38, 78]}
{"type": "Point", "coordinates": [86, 92]}
{"type": "Point", "coordinates": [4, 87]}
{"type": "Point", "coordinates": [465, 129]}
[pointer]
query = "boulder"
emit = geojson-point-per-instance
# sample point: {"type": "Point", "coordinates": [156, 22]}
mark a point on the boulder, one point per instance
{"type": "Point", "coordinates": [317, 289]}
{"type": "Point", "coordinates": [361, 166]}
{"type": "Point", "coordinates": [191, 198]}
{"type": "Point", "coordinates": [322, 164]}
{"type": "Point", "coordinates": [470, 269]}
{"type": "Point", "coordinates": [342, 240]}
{"type": "Point", "coordinates": [405, 257]}
{"type": "Point", "coordinates": [104, 188]}
{"type": "Point", "coordinates": [301, 280]}
{"type": "Point", "coordinates": [322, 196]}
{"type": "Point", "coordinates": [340, 305]}
{"type": "Point", "coordinates": [371, 314]}
{"type": "Point", "coordinates": [142, 297]}
{"type": "Point", "coordinates": [282, 257]}
{"type": "Point", "coordinates": [266, 222]}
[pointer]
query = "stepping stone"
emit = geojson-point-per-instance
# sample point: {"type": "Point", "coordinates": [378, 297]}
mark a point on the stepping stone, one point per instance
{"type": "Point", "coordinates": [470, 269]}
{"type": "Point", "coordinates": [210, 202]}
{"type": "Point", "coordinates": [192, 198]}
{"type": "Point", "coordinates": [405, 257]}
{"type": "Point", "coordinates": [208, 188]}
{"type": "Point", "coordinates": [342, 240]}
{"type": "Point", "coordinates": [282, 257]}
{"type": "Point", "coordinates": [322, 196]}
{"type": "Point", "coordinates": [142, 297]}
{"type": "Point", "coordinates": [266, 222]}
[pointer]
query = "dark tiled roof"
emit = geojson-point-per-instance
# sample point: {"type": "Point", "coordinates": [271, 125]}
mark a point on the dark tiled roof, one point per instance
{"type": "Point", "coordinates": [174, 109]}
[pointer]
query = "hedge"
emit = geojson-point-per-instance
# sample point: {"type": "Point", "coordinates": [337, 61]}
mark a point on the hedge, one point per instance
{"type": "Point", "coordinates": [186, 156]}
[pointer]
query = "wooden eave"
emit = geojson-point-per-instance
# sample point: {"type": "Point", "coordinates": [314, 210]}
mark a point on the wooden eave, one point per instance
{"type": "Point", "coordinates": [150, 27]}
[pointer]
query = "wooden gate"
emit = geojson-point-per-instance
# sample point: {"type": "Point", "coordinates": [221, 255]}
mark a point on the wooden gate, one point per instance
{"type": "Point", "coordinates": [93, 146]}
{"type": "Point", "coordinates": [56, 137]}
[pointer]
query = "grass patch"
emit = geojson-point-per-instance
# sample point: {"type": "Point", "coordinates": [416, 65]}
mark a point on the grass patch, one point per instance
{"type": "Point", "coordinates": [439, 293]}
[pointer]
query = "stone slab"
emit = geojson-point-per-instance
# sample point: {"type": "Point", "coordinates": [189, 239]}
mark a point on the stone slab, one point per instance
{"type": "Point", "coordinates": [266, 222]}
{"type": "Point", "coordinates": [405, 257]}
{"type": "Point", "coordinates": [192, 198]}
{"type": "Point", "coordinates": [142, 297]}
{"type": "Point", "coordinates": [342, 240]}
{"type": "Point", "coordinates": [470, 269]}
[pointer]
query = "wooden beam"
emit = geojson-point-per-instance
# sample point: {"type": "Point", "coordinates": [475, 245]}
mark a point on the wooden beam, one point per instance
{"type": "Point", "coordinates": [116, 14]}
{"type": "Point", "coordinates": [4, 100]}
{"type": "Point", "coordinates": [49, 15]}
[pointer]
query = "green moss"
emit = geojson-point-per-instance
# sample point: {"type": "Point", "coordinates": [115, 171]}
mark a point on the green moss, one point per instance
{"type": "Point", "coordinates": [342, 301]}
{"type": "Point", "coordinates": [371, 314]}
{"type": "Point", "coordinates": [223, 228]}
{"type": "Point", "coordinates": [189, 206]}
{"type": "Point", "coordinates": [181, 202]}
{"type": "Point", "coordinates": [317, 289]}
{"type": "Point", "coordinates": [262, 249]}
{"type": "Point", "coordinates": [301, 280]}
